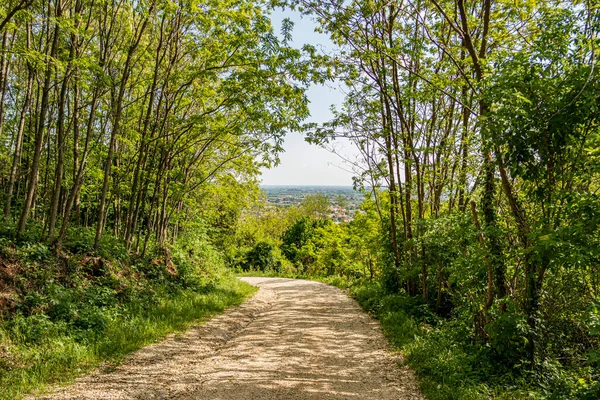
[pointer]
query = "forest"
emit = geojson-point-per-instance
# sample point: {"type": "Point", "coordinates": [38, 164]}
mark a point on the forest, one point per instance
{"type": "Point", "coordinates": [131, 138]}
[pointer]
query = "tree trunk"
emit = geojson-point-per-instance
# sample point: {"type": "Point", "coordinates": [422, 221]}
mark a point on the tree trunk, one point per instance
{"type": "Point", "coordinates": [39, 137]}
{"type": "Point", "coordinates": [117, 112]}
{"type": "Point", "coordinates": [4, 71]}
{"type": "Point", "coordinates": [61, 145]}
{"type": "Point", "coordinates": [14, 171]}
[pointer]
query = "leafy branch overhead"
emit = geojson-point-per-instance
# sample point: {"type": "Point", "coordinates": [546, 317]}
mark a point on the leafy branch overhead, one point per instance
{"type": "Point", "coordinates": [149, 101]}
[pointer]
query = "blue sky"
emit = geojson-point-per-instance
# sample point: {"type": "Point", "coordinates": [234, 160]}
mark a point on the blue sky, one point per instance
{"type": "Point", "coordinates": [303, 163]}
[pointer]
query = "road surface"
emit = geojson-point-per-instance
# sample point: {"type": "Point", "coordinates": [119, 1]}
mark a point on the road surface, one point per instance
{"type": "Point", "coordinates": [294, 340]}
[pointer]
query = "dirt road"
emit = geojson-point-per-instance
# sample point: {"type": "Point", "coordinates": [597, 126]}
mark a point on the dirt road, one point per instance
{"type": "Point", "coordinates": [293, 340]}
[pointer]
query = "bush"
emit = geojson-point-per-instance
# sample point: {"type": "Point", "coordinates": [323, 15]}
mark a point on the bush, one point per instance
{"type": "Point", "coordinates": [80, 240]}
{"type": "Point", "coordinates": [36, 252]}
{"type": "Point", "coordinates": [508, 335]}
{"type": "Point", "coordinates": [298, 234]}
{"type": "Point", "coordinates": [74, 310]}
{"type": "Point", "coordinates": [262, 257]}
{"type": "Point", "coordinates": [450, 365]}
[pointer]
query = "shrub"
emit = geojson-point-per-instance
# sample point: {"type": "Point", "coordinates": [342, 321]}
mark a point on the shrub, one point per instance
{"type": "Point", "coordinates": [262, 257]}
{"type": "Point", "coordinates": [508, 338]}
{"type": "Point", "coordinates": [298, 234]}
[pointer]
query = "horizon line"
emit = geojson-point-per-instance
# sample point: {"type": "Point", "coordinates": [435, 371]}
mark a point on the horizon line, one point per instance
{"type": "Point", "coordinates": [311, 185]}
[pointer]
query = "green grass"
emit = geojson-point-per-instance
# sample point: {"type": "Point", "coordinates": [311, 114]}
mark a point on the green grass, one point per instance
{"type": "Point", "coordinates": [58, 357]}
{"type": "Point", "coordinates": [436, 352]}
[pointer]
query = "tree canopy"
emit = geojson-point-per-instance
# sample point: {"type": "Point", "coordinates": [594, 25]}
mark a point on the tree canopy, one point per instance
{"type": "Point", "coordinates": [125, 115]}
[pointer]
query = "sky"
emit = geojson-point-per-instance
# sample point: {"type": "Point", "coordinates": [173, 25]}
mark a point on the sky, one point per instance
{"type": "Point", "coordinates": [303, 163]}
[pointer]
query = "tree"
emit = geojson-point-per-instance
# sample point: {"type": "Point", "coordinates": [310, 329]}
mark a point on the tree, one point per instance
{"type": "Point", "coordinates": [315, 206]}
{"type": "Point", "coordinates": [129, 116]}
{"type": "Point", "coordinates": [478, 121]}
{"type": "Point", "coordinates": [543, 115]}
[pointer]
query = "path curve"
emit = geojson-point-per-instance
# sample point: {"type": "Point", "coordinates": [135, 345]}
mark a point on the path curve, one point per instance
{"type": "Point", "coordinates": [293, 340]}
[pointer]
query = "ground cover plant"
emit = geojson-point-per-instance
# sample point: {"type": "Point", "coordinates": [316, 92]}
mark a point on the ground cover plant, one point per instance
{"type": "Point", "coordinates": [64, 315]}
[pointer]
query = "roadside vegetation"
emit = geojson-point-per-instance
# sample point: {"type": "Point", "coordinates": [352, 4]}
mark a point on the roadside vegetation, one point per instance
{"type": "Point", "coordinates": [438, 338]}
{"type": "Point", "coordinates": [69, 314]}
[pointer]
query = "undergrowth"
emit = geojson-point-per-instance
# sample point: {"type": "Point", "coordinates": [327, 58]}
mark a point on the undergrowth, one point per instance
{"type": "Point", "coordinates": [62, 315]}
{"type": "Point", "coordinates": [449, 363]}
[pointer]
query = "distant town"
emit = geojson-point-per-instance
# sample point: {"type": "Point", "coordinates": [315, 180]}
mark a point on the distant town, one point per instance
{"type": "Point", "coordinates": [344, 201]}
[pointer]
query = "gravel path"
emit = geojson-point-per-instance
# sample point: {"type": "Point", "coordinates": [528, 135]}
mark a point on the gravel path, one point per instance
{"type": "Point", "coordinates": [293, 340]}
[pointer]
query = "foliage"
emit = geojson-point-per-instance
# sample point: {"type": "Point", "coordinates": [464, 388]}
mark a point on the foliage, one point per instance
{"type": "Point", "coordinates": [262, 257]}
{"type": "Point", "coordinates": [315, 206]}
{"type": "Point", "coordinates": [153, 117]}
{"type": "Point", "coordinates": [297, 236]}
{"type": "Point", "coordinates": [448, 363]}
{"type": "Point", "coordinates": [71, 313]}
{"type": "Point", "coordinates": [131, 136]}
